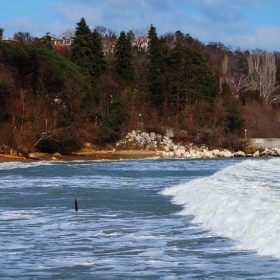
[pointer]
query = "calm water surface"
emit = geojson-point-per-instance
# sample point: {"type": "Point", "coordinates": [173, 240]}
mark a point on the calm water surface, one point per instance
{"type": "Point", "coordinates": [140, 219]}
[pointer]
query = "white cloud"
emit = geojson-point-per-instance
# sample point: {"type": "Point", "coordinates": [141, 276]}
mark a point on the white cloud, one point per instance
{"type": "Point", "coordinates": [18, 24]}
{"type": "Point", "coordinates": [226, 21]}
{"type": "Point", "coordinates": [27, 25]}
{"type": "Point", "coordinates": [266, 38]}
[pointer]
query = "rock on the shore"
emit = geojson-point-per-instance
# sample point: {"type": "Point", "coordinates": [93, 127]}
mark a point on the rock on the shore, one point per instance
{"type": "Point", "coordinates": [239, 154]}
{"type": "Point", "coordinates": [165, 147]}
{"type": "Point", "coordinates": [33, 156]}
{"type": "Point", "coordinates": [56, 156]}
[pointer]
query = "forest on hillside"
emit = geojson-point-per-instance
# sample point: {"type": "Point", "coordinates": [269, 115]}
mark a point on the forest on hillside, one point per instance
{"type": "Point", "coordinates": [104, 85]}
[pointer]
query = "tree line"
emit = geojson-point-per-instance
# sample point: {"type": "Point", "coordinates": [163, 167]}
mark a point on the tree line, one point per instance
{"type": "Point", "coordinates": [104, 85]}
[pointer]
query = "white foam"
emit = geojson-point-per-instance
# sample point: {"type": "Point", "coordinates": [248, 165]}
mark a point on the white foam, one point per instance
{"type": "Point", "coordinates": [241, 202]}
{"type": "Point", "coordinates": [15, 164]}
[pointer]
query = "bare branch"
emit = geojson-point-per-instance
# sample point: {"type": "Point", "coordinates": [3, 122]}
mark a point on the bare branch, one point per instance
{"type": "Point", "coordinates": [262, 73]}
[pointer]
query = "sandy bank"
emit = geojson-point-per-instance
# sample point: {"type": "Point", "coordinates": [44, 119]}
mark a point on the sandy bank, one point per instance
{"type": "Point", "coordinates": [131, 154]}
{"type": "Point", "coordinates": [116, 154]}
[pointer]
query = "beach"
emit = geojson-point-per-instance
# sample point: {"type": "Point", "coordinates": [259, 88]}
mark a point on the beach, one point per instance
{"type": "Point", "coordinates": [123, 154]}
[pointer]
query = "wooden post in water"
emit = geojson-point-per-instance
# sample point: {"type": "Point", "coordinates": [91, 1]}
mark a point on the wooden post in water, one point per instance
{"type": "Point", "coordinates": [76, 205]}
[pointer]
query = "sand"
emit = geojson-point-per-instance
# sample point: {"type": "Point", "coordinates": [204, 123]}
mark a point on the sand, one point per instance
{"type": "Point", "coordinates": [114, 155]}
{"type": "Point", "coordinates": [117, 154]}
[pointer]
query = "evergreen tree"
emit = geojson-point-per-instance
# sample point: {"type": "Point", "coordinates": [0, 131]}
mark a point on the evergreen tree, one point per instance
{"type": "Point", "coordinates": [124, 60]}
{"type": "Point", "coordinates": [243, 63]}
{"type": "Point", "coordinates": [155, 70]}
{"type": "Point", "coordinates": [87, 51]}
{"type": "Point", "coordinates": [130, 35]}
{"type": "Point", "coordinates": [82, 29]}
{"type": "Point", "coordinates": [201, 82]}
{"type": "Point", "coordinates": [175, 81]}
{"type": "Point", "coordinates": [1, 34]}
{"type": "Point", "coordinates": [47, 41]}
{"type": "Point", "coordinates": [99, 63]}
{"type": "Point", "coordinates": [233, 119]}
{"type": "Point", "coordinates": [81, 51]}
{"type": "Point", "coordinates": [178, 77]}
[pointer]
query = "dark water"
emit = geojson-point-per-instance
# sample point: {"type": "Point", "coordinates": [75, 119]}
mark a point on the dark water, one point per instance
{"type": "Point", "coordinates": [140, 219]}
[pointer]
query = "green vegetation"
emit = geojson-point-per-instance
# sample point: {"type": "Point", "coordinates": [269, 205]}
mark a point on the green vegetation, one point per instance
{"type": "Point", "coordinates": [124, 61]}
{"type": "Point", "coordinates": [1, 33]}
{"type": "Point", "coordinates": [87, 52]}
{"type": "Point", "coordinates": [105, 86]}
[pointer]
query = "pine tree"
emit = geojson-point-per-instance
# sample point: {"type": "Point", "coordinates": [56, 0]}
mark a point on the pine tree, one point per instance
{"type": "Point", "coordinates": [233, 119]}
{"type": "Point", "coordinates": [155, 70]}
{"type": "Point", "coordinates": [99, 62]}
{"type": "Point", "coordinates": [177, 77]}
{"type": "Point", "coordinates": [124, 60]}
{"type": "Point", "coordinates": [175, 81]}
{"type": "Point", "coordinates": [1, 33]}
{"type": "Point", "coordinates": [201, 82]}
{"type": "Point", "coordinates": [87, 51]}
{"type": "Point", "coordinates": [47, 41]}
{"type": "Point", "coordinates": [81, 52]}
{"type": "Point", "coordinates": [82, 28]}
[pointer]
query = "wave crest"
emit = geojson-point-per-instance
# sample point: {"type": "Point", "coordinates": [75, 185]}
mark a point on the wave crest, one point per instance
{"type": "Point", "coordinates": [240, 202]}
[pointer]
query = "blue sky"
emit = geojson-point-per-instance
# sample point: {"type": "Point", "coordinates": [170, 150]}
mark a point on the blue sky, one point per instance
{"type": "Point", "coordinates": [248, 24]}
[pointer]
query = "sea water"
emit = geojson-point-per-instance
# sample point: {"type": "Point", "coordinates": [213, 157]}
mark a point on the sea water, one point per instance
{"type": "Point", "coordinates": [140, 219]}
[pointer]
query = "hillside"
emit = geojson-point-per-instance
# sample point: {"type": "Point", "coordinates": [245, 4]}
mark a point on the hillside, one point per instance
{"type": "Point", "coordinates": [102, 87]}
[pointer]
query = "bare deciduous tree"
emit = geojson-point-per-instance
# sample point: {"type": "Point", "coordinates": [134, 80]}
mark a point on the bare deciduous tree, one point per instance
{"type": "Point", "coordinates": [68, 33]}
{"type": "Point", "coordinates": [141, 39]}
{"type": "Point", "coordinates": [101, 30]}
{"type": "Point", "coordinates": [109, 41]}
{"type": "Point", "coordinates": [262, 74]}
{"type": "Point", "coordinates": [170, 40]}
{"type": "Point", "coordinates": [237, 82]}
{"type": "Point", "coordinates": [23, 37]}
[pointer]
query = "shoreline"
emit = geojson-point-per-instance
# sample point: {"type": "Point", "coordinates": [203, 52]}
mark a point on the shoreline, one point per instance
{"type": "Point", "coordinates": [117, 154]}
{"type": "Point", "coordinates": [137, 154]}
{"type": "Point", "coordinates": [136, 145]}
{"type": "Point", "coordinates": [93, 155]}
